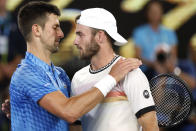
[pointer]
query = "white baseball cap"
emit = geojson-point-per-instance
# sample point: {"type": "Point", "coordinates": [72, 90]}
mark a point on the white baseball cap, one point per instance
{"type": "Point", "coordinates": [100, 18]}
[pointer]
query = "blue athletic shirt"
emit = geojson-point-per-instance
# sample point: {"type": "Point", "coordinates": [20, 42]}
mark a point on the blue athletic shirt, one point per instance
{"type": "Point", "coordinates": [32, 80]}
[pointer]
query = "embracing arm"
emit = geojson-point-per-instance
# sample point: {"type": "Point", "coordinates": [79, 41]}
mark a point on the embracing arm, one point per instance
{"type": "Point", "coordinates": [70, 109]}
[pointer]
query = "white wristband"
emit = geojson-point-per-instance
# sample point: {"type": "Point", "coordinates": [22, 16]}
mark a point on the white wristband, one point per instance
{"type": "Point", "coordinates": [106, 84]}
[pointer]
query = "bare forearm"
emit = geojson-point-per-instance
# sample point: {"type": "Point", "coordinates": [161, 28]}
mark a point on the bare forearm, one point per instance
{"type": "Point", "coordinates": [152, 127]}
{"type": "Point", "coordinates": [149, 122]}
{"type": "Point", "coordinates": [81, 104]}
{"type": "Point", "coordinates": [70, 109]}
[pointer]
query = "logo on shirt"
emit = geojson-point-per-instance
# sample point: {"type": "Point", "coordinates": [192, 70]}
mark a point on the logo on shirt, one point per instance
{"type": "Point", "coordinates": [47, 84]}
{"type": "Point", "coordinates": [146, 94]}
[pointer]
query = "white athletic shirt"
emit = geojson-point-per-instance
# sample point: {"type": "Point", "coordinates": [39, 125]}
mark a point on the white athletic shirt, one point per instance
{"type": "Point", "coordinates": [119, 111]}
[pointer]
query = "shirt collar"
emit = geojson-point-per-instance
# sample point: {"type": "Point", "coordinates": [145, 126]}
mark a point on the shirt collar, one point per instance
{"type": "Point", "coordinates": [150, 28]}
{"type": "Point", "coordinates": [32, 59]}
{"type": "Point", "coordinates": [54, 68]}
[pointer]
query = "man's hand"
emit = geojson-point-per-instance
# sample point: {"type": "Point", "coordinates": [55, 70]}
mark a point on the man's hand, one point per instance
{"type": "Point", "coordinates": [123, 66]}
{"type": "Point", "coordinates": [6, 108]}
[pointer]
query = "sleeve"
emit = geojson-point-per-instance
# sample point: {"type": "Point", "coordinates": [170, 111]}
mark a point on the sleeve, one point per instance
{"type": "Point", "coordinates": [36, 85]}
{"type": "Point", "coordinates": [137, 89]}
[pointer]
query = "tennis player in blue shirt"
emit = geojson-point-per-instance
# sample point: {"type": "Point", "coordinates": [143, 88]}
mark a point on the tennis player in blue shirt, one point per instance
{"type": "Point", "coordinates": [39, 90]}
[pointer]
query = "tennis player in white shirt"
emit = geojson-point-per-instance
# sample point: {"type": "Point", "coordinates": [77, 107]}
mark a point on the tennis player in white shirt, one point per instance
{"type": "Point", "coordinates": [129, 106]}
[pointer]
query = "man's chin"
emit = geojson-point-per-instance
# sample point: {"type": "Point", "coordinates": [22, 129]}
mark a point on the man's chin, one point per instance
{"type": "Point", "coordinates": [55, 50]}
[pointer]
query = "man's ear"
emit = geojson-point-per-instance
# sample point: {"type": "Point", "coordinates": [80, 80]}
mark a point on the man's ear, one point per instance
{"type": "Point", "coordinates": [36, 30]}
{"type": "Point", "coordinates": [100, 36]}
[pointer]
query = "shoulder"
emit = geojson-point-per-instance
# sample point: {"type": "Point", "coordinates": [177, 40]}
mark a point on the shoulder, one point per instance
{"type": "Point", "coordinates": [165, 29]}
{"type": "Point", "coordinates": [27, 78]}
{"type": "Point", "coordinates": [25, 69]}
{"type": "Point", "coordinates": [136, 76]}
{"type": "Point", "coordinates": [27, 72]}
{"type": "Point", "coordinates": [136, 72]}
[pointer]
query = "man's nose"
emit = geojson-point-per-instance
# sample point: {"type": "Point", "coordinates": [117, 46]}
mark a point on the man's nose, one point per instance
{"type": "Point", "coordinates": [76, 41]}
{"type": "Point", "coordinates": [61, 34]}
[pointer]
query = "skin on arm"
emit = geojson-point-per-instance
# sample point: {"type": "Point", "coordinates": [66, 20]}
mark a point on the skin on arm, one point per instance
{"type": "Point", "coordinates": [70, 109]}
{"type": "Point", "coordinates": [73, 108]}
{"type": "Point", "coordinates": [148, 121]}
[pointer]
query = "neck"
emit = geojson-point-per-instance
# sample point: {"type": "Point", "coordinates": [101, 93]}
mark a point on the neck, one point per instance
{"type": "Point", "coordinates": [102, 58]}
{"type": "Point", "coordinates": [155, 26]}
{"type": "Point", "coordinates": [39, 52]}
